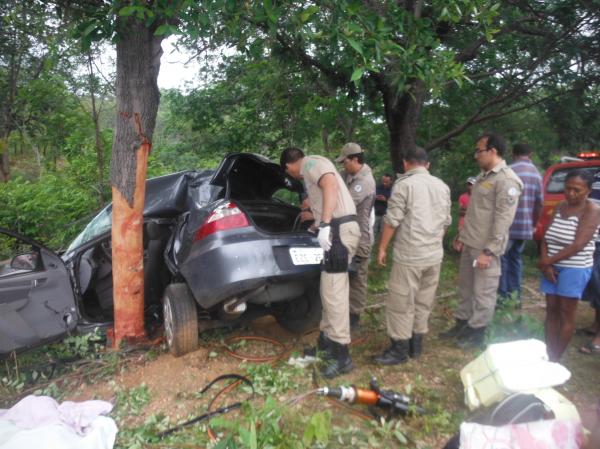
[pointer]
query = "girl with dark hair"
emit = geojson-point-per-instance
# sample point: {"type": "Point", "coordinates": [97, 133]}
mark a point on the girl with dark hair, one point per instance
{"type": "Point", "coordinates": [566, 259]}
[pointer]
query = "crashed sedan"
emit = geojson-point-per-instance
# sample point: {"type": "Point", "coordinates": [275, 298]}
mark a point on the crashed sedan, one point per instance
{"type": "Point", "coordinates": [220, 246]}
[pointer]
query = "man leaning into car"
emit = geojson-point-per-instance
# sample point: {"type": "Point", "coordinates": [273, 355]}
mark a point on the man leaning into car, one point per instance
{"type": "Point", "coordinates": [335, 215]}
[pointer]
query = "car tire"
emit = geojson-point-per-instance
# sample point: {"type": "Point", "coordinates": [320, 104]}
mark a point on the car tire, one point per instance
{"type": "Point", "coordinates": [301, 314]}
{"type": "Point", "coordinates": [181, 319]}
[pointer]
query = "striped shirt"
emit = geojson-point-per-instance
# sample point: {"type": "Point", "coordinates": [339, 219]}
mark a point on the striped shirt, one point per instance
{"type": "Point", "coordinates": [530, 200]}
{"type": "Point", "coordinates": [560, 234]}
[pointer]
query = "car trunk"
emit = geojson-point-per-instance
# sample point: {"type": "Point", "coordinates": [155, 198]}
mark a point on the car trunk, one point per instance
{"type": "Point", "coordinates": [251, 181]}
{"type": "Point", "coordinates": [272, 216]}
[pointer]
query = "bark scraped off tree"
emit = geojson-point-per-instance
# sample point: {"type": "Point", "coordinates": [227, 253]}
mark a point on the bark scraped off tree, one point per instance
{"type": "Point", "coordinates": [128, 264]}
{"type": "Point", "coordinates": [138, 64]}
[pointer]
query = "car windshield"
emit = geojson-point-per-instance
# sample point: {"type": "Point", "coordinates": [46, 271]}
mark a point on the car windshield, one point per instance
{"type": "Point", "coordinates": [99, 225]}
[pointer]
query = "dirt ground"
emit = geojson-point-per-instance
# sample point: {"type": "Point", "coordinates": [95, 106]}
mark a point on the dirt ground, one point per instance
{"type": "Point", "coordinates": [171, 380]}
{"type": "Point", "coordinates": [433, 381]}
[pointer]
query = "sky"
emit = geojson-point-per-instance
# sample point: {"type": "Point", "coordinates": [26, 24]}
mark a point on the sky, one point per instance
{"type": "Point", "coordinates": [175, 70]}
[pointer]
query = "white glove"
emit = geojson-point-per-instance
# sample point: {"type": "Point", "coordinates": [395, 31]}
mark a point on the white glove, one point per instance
{"type": "Point", "coordinates": [323, 237]}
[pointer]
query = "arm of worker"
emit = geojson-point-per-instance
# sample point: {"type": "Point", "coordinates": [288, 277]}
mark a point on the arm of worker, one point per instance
{"type": "Point", "coordinates": [386, 235]}
{"type": "Point", "coordinates": [506, 201]}
{"type": "Point", "coordinates": [305, 211]}
{"type": "Point", "coordinates": [394, 215]}
{"type": "Point", "coordinates": [447, 208]}
{"type": "Point", "coordinates": [547, 270]}
{"type": "Point", "coordinates": [585, 231]}
{"type": "Point", "coordinates": [329, 188]}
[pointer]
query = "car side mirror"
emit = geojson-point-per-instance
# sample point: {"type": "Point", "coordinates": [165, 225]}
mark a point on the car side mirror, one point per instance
{"type": "Point", "coordinates": [27, 261]}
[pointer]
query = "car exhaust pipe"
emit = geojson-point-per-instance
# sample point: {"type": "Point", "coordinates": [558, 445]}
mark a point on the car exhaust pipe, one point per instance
{"type": "Point", "coordinates": [234, 308]}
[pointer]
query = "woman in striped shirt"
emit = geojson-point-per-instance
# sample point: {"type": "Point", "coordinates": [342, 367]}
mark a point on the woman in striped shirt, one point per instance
{"type": "Point", "coordinates": [566, 259]}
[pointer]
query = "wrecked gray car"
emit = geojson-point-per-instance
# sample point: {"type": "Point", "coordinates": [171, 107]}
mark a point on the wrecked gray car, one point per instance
{"type": "Point", "coordinates": [220, 246]}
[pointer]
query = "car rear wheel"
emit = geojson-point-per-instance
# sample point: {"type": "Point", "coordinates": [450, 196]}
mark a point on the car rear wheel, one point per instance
{"type": "Point", "coordinates": [301, 314]}
{"type": "Point", "coordinates": [181, 319]}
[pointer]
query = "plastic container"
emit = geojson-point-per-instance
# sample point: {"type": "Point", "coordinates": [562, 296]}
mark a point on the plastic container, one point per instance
{"type": "Point", "coordinates": [562, 408]}
{"type": "Point", "coordinates": [506, 368]}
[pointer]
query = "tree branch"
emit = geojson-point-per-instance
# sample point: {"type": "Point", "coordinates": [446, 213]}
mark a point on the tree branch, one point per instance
{"type": "Point", "coordinates": [473, 120]}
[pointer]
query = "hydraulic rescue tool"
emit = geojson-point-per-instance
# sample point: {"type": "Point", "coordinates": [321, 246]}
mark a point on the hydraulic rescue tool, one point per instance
{"type": "Point", "coordinates": [395, 403]}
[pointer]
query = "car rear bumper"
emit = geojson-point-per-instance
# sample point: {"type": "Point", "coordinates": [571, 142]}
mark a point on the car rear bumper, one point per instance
{"type": "Point", "coordinates": [237, 262]}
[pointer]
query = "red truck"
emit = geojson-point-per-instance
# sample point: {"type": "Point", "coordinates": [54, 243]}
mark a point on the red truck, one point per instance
{"type": "Point", "coordinates": [554, 184]}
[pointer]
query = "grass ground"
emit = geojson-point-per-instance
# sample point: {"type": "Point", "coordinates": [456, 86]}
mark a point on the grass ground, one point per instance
{"type": "Point", "coordinates": [152, 390]}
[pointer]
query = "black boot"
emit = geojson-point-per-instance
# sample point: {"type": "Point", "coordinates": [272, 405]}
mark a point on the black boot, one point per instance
{"type": "Point", "coordinates": [415, 346]}
{"type": "Point", "coordinates": [458, 328]}
{"type": "Point", "coordinates": [472, 338]}
{"type": "Point", "coordinates": [395, 354]}
{"type": "Point", "coordinates": [323, 347]}
{"type": "Point", "coordinates": [354, 321]}
{"type": "Point", "coordinates": [339, 363]}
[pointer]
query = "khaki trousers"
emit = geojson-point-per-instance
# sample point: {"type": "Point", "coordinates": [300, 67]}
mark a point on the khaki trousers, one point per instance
{"type": "Point", "coordinates": [358, 283]}
{"type": "Point", "coordinates": [410, 299]}
{"type": "Point", "coordinates": [335, 291]}
{"type": "Point", "coordinates": [477, 289]}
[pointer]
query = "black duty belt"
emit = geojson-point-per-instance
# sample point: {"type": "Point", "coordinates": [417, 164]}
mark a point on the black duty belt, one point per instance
{"type": "Point", "coordinates": [341, 220]}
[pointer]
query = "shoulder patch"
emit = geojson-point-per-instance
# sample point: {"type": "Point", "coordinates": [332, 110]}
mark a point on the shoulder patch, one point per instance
{"type": "Point", "coordinates": [512, 191]}
{"type": "Point", "coordinates": [309, 164]}
{"type": "Point", "coordinates": [358, 188]}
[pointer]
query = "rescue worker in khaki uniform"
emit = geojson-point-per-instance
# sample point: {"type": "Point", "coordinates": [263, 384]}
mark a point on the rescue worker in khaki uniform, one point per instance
{"type": "Point", "coordinates": [335, 215]}
{"type": "Point", "coordinates": [361, 184]}
{"type": "Point", "coordinates": [418, 213]}
{"type": "Point", "coordinates": [483, 239]}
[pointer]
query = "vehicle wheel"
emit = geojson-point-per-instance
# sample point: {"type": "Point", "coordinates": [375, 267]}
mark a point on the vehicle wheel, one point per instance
{"type": "Point", "coordinates": [181, 319]}
{"type": "Point", "coordinates": [301, 314]}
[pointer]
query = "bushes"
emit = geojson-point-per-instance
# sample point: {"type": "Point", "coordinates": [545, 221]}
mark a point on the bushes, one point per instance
{"type": "Point", "coordinates": [52, 210]}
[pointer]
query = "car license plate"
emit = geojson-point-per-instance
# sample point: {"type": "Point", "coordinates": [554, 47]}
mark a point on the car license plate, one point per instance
{"type": "Point", "coordinates": [306, 256]}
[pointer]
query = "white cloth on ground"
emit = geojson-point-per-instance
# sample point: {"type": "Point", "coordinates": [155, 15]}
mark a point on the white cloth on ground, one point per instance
{"type": "Point", "coordinates": [40, 421]}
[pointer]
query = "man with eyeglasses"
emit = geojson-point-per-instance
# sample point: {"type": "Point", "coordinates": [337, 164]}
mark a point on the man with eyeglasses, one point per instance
{"type": "Point", "coordinates": [483, 240]}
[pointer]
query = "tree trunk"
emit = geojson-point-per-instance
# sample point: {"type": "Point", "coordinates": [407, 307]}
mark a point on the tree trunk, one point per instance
{"type": "Point", "coordinates": [402, 118]}
{"type": "Point", "coordinates": [325, 140]}
{"type": "Point", "coordinates": [4, 160]}
{"type": "Point", "coordinates": [99, 146]}
{"type": "Point", "coordinates": [138, 64]}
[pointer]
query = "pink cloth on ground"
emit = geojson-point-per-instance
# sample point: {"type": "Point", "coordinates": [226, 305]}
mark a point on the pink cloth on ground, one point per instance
{"type": "Point", "coordinates": [549, 434]}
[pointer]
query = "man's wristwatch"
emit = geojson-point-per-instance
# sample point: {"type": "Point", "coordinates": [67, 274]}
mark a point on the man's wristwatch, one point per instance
{"type": "Point", "coordinates": [324, 225]}
{"type": "Point", "coordinates": [487, 252]}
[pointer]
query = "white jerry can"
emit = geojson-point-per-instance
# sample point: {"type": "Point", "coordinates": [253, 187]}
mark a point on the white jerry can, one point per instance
{"type": "Point", "coordinates": [505, 368]}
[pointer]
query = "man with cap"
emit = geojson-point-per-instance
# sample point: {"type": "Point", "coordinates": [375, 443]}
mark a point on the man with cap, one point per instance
{"type": "Point", "coordinates": [335, 216]}
{"type": "Point", "coordinates": [483, 240]}
{"type": "Point", "coordinates": [418, 214]}
{"type": "Point", "coordinates": [360, 182]}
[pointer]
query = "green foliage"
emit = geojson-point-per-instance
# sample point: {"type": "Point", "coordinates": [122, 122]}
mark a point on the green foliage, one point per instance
{"type": "Point", "coordinates": [263, 427]}
{"type": "Point", "coordinates": [318, 429]}
{"type": "Point", "coordinates": [50, 210]}
{"type": "Point", "coordinates": [510, 324]}
{"type": "Point", "coordinates": [131, 402]}
{"type": "Point", "coordinates": [271, 380]}
{"type": "Point", "coordinates": [84, 346]}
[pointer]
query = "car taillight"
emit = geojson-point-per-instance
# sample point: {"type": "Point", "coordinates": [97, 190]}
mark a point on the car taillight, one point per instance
{"type": "Point", "coordinates": [226, 216]}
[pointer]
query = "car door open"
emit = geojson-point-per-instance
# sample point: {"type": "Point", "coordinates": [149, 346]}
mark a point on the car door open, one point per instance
{"type": "Point", "coordinates": [37, 303]}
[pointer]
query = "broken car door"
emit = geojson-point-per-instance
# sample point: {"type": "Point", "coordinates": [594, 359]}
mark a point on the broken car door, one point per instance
{"type": "Point", "coordinates": [37, 303]}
